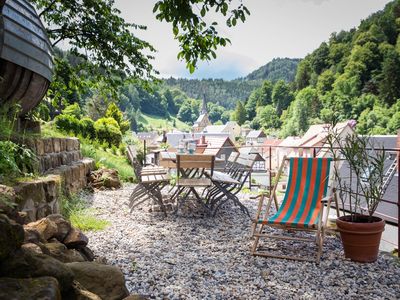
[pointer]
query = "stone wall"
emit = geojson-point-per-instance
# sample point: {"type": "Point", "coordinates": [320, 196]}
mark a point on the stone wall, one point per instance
{"type": "Point", "coordinates": [55, 152]}
{"type": "Point", "coordinates": [62, 169]}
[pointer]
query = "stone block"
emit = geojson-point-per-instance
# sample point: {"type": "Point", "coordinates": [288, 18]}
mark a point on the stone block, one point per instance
{"type": "Point", "coordinates": [56, 145]}
{"type": "Point", "coordinates": [39, 147]}
{"type": "Point", "coordinates": [43, 210]}
{"type": "Point", "coordinates": [70, 144]}
{"type": "Point", "coordinates": [48, 145]}
{"type": "Point", "coordinates": [64, 158]}
{"type": "Point", "coordinates": [55, 160]}
{"type": "Point", "coordinates": [47, 162]}
{"type": "Point", "coordinates": [63, 145]}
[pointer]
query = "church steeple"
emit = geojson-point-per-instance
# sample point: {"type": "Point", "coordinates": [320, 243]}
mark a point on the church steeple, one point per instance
{"type": "Point", "coordinates": [204, 105]}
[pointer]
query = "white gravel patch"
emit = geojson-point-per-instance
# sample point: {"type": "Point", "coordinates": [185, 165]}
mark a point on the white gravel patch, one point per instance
{"type": "Point", "coordinates": [189, 257]}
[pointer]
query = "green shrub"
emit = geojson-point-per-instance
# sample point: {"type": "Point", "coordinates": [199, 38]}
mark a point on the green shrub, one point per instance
{"type": "Point", "coordinates": [16, 160]}
{"type": "Point", "coordinates": [87, 128]}
{"type": "Point", "coordinates": [107, 130]}
{"type": "Point", "coordinates": [73, 110]}
{"type": "Point", "coordinates": [68, 123]}
{"type": "Point", "coordinates": [114, 150]}
{"type": "Point", "coordinates": [122, 149]}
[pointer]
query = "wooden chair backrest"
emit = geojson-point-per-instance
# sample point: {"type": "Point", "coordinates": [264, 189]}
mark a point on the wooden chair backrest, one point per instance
{"type": "Point", "coordinates": [233, 157]}
{"type": "Point", "coordinates": [246, 160]}
{"type": "Point", "coordinates": [192, 161]}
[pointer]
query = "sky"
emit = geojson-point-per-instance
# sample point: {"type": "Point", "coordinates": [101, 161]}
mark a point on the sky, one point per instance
{"type": "Point", "coordinates": [275, 28]}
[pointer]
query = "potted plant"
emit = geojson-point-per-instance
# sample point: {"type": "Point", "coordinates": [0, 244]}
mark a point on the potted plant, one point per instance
{"type": "Point", "coordinates": [360, 191]}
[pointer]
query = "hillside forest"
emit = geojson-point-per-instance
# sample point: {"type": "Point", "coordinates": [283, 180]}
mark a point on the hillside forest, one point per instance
{"type": "Point", "coordinates": [353, 75]}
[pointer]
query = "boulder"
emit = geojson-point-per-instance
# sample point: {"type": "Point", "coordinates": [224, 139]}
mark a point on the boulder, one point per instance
{"type": "Point", "coordinates": [30, 288]}
{"type": "Point", "coordinates": [11, 236]}
{"type": "Point", "coordinates": [7, 200]}
{"type": "Point", "coordinates": [105, 281]}
{"type": "Point", "coordinates": [60, 252]}
{"type": "Point", "coordinates": [32, 247]}
{"type": "Point", "coordinates": [106, 178]}
{"type": "Point", "coordinates": [78, 292]}
{"type": "Point", "coordinates": [45, 227]}
{"type": "Point", "coordinates": [63, 226]}
{"type": "Point", "coordinates": [32, 236]}
{"type": "Point", "coordinates": [75, 239]}
{"type": "Point", "coordinates": [26, 264]}
{"type": "Point", "coordinates": [87, 253]}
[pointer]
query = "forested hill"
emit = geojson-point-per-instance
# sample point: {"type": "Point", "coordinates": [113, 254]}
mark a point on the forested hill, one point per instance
{"type": "Point", "coordinates": [355, 74]}
{"type": "Point", "coordinates": [277, 69]}
{"type": "Point", "coordinates": [226, 93]}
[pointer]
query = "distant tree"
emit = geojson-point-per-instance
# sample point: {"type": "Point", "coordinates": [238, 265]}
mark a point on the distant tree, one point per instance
{"type": "Point", "coordinates": [240, 114]}
{"type": "Point", "coordinates": [389, 87]}
{"type": "Point", "coordinates": [185, 113]}
{"type": "Point", "coordinates": [215, 112]}
{"type": "Point", "coordinates": [319, 59]}
{"type": "Point", "coordinates": [268, 117]}
{"type": "Point", "coordinates": [303, 74]}
{"type": "Point", "coordinates": [281, 96]}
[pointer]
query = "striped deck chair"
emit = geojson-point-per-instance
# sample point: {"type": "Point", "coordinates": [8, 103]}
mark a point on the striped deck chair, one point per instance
{"type": "Point", "coordinates": [302, 207]}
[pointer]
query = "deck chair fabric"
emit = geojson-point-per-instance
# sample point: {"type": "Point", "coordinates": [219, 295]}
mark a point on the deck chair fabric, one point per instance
{"type": "Point", "coordinates": [302, 206]}
{"type": "Point", "coordinates": [307, 185]}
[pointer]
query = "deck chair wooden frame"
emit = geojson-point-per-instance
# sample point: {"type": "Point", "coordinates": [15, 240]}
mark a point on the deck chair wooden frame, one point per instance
{"type": "Point", "coordinates": [191, 175]}
{"type": "Point", "coordinates": [319, 205]}
{"type": "Point", "coordinates": [152, 180]}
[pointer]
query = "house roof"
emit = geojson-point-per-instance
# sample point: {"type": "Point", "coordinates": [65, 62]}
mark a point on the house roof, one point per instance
{"type": "Point", "coordinates": [214, 145]}
{"type": "Point", "coordinates": [147, 135]}
{"type": "Point", "coordinates": [173, 138]}
{"type": "Point", "coordinates": [256, 134]}
{"type": "Point", "coordinates": [252, 150]}
{"type": "Point", "coordinates": [200, 118]}
{"type": "Point", "coordinates": [214, 128]}
{"type": "Point", "coordinates": [318, 133]}
{"type": "Point", "coordinates": [290, 141]}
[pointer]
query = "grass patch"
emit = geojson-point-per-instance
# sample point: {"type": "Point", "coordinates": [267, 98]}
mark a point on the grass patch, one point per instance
{"type": "Point", "coordinates": [108, 160]}
{"type": "Point", "coordinates": [157, 122]}
{"type": "Point", "coordinates": [75, 209]}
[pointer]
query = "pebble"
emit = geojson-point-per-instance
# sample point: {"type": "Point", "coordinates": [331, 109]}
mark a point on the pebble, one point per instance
{"type": "Point", "coordinates": [194, 257]}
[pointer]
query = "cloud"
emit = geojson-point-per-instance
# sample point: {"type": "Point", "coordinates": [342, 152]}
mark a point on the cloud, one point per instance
{"type": "Point", "coordinates": [317, 2]}
{"type": "Point", "coordinates": [227, 66]}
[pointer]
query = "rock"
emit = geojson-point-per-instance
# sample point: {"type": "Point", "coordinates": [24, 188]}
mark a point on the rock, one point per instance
{"type": "Point", "coordinates": [135, 297]}
{"type": "Point", "coordinates": [45, 227]}
{"type": "Point", "coordinates": [7, 200]}
{"type": "Point", "coordinates": [11, 236]}
{"type": "Point", "coordinates": [32, 247]}
{"type": "Point", "coordinates": [80, 293]}
{"type": "Point", "coordinates": [87, 253]}
{"type": "Point", "coordinates": [32, 236]}
{"type": "Point", "coordinates": [107, 178]}
{"type": "Point", "coordinates": [63, 226]}
{"type": "Point", "coordinates": [60, 252]}
{"type": "Point", "coordinates": [25, 264]}
{"type": "Point", "coordinates": [30, 288]}
{"type": "Point", "coordinates": [75, 239]}
{"type": "Point", "coordinates": [105, 281]}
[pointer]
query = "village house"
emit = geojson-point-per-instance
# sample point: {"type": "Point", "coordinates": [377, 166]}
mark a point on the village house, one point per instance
{"type": "Point", "coordinates": [255, 137]}
{"type": "Point", "coordinates": [202, 121]}
{"type": "Point", "coordinates": [231, 128]}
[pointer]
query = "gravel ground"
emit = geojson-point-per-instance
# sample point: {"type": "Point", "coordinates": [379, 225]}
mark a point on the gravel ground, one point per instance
{"type": "Point", "coordinates": [191, 257]}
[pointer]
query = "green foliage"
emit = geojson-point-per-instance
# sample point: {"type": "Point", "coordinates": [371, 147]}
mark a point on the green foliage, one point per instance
{"type": "Point", "coordinates": [86, 25]}
{"type": "Point", "coordinates": [68, 123]}
{"type": "Point", "coordinates": [277, 69]}
{"type": "Point", "coordinates": [114, 112]}
{"type": "Point", "coordinates": [87, 128]}
{"type": "Point", "coordinates": [197, 38]}
{"type": "Point", "coordinates": [107, 130]}
{"type": "Point", "coordinates": [240, 114]}
{"type": "Point", "coordinates": [268, 117]}
{"type": "Point", "coordinates": [281, 96]}
{"type": "Point", "coordinates": [259, 97]}
{"type": "Point", "coordinates": [16, 160]}
{"type": "Point", "coordinates": [73, 110]}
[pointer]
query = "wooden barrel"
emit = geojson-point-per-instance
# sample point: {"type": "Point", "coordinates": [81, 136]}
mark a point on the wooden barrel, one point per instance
{"type": "Point", "coordinates": [25, 56]}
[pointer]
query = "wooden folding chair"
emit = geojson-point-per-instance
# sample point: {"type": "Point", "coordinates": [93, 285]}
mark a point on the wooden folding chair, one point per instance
{"type": "Point", "coordinates": [302, 208]}
{"type": "Point", "coordinates": [191, 175]}
{"type": "Point", "coordinates": [227, 186]}
{"type": "Point", "coordinates": [152, 179]}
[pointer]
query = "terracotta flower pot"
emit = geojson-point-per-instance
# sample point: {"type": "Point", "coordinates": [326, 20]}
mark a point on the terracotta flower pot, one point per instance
{"type": "Point", "coordinates": [361, 239]}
